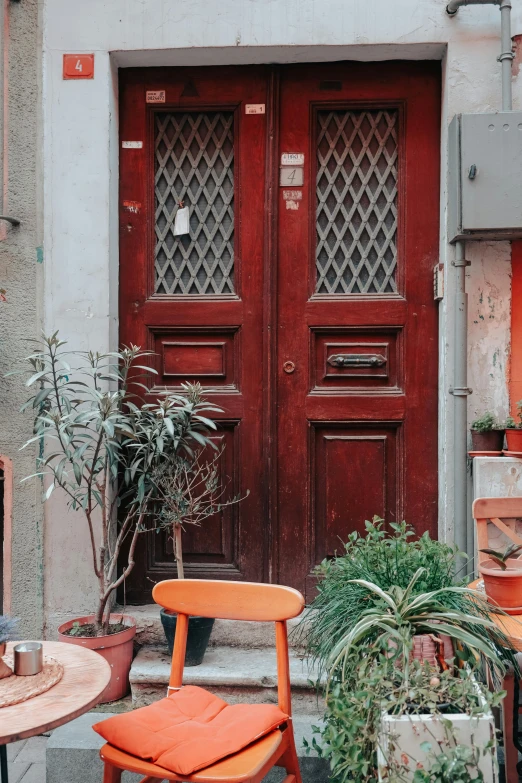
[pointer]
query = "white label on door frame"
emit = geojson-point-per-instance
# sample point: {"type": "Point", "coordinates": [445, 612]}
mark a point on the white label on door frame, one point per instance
{"type": "Point", "coordinates": [155, 96]}
{"type": "Point", "coordinates": [255, 108]}
{"type": "Point", "coordinates": [291, 176]}
{"type": "Point", "coordinates": [292, 159]}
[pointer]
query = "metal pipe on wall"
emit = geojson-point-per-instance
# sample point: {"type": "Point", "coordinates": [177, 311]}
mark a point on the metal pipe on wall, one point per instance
{"type": "Point", "coordinates": [506, 54]}
{"type": "Point", "coordinates": [454, 5]}
{"type": "Point", "coordinates": [460, 393]}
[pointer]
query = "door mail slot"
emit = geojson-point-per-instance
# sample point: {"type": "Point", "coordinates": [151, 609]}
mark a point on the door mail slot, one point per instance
{"type": "Point", "coordinates": [356, 360]}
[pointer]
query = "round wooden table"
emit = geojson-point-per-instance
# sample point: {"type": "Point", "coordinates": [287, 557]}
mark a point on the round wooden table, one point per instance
{"type": "Point", "coordinates": [85, 677]}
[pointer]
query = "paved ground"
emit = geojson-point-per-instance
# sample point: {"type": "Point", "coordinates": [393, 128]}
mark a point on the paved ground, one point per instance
{"type": "Point", "coordinates": [26, 760]}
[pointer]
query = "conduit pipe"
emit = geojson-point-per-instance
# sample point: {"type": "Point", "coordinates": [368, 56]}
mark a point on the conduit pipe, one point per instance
{"type": "Point", "coordinates": [454, 5]}
{"type": "Point", "coordinates": [460, 390]}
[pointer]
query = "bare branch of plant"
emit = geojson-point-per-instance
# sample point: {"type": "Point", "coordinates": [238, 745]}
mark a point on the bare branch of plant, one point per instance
{"type": "Point", "coordinates": [189, 492]}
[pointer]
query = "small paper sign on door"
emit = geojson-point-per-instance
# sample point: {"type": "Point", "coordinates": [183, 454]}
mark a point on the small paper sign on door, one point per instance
{"type": "Point", "coordinates": [291, 176]}
{"type": "Point", "coordinates": [255, 108]}
{"type": "Point", "coordinates": [155, 96]}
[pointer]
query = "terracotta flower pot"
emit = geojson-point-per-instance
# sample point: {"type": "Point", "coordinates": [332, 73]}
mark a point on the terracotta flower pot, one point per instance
{"type": "Point", "coordinates": [514, 439]}
{"type": "Point", "coordinates": [116, 648]}
{"type": "Point", "coordinates": [425, 649]}
{"type": "Point", "coordinates": [487, 441]}
{"type": "Point", "coordinates": [503, 588]}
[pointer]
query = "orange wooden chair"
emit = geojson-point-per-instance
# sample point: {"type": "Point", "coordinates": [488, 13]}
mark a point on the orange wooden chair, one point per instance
{"type": "Point", "coordinates": [228, 601]}
{"type": "Point", "coordinates": [496, 510]}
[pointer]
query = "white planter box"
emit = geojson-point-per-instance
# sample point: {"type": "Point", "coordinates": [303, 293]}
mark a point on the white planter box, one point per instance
{"type": "Point", "coordinates": [405, 734]}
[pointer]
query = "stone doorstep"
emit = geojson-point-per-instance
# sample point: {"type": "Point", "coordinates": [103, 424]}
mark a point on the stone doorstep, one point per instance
{"type": "Point", "coordinates": [226, 633]}
{"type": "Point", "coordinates": [234, 674]}
{"type": "Point", "coordinates": [72, 754]}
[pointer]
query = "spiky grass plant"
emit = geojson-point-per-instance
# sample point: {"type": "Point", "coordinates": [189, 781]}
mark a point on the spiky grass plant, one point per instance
{"type": "Point", "coordinates": [393, 617]}
{"type": "Point", "coordinates": [387, 558]}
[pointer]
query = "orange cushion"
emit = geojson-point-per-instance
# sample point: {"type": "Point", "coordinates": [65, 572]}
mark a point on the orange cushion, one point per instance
{"type": "Point", "coordinates": [189, 730]}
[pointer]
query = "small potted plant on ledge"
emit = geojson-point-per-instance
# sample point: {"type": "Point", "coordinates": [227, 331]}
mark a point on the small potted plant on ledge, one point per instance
{"type": "Point", "coordinates": [502, 575]}
{"type": "Point", "coordinates": [189, 492]}
{"type": "Point", "coordinates": [103, 449]}
{"type": "Point", "coordinates": [514, 433]}
{"type": "Point", "coordinates": [487, 438]}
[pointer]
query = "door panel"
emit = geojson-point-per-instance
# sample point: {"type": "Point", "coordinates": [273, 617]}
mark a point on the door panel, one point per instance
{"type": "Point", "coordinates": [196, 299]}
{"type": "Point", "coordinates": [357, 424]}
{"type": "Point", "coordinates": [305, 310]}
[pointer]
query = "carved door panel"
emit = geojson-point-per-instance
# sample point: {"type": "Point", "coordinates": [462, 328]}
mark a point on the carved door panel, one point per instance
{"type": "Point", "coordinates": [357, 324]}
{"type": "Point", "coordinates": [196, 299]}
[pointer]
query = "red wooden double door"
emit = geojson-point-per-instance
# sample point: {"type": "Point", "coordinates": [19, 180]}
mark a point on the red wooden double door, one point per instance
{"type": "Point", "coordinates": [301, 298]}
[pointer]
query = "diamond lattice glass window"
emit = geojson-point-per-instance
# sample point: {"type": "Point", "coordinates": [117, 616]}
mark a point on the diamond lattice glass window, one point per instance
{"type": "Point", "coordinates": [194, 163]}
{"type": "Point", "coordinates": [356, 221]}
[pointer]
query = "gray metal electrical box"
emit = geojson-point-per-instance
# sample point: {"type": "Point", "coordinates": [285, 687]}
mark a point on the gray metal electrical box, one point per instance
{"type": "Point", "coordinates": [485, 176]}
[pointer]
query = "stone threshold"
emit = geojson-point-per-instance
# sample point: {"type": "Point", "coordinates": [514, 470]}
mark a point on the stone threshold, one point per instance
{"type": "Point", "coordinates": [226, 633]}
{"type": "Point", "coordinates": [235, 674]}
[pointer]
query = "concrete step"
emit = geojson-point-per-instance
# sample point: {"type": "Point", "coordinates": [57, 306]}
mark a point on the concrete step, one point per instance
{"type": "Point", "coordinates": [226, 633]}
{"type": "Point", "coordinates": [235, 674]}
{"type": "Point", "coordinates": [72, 754]}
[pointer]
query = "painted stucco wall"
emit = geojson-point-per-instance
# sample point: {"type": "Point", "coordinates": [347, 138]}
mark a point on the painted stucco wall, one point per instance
{"type": "Point", "coordinates": [81, 152]}
{"type": "Point", "coordinates": [22, 278]}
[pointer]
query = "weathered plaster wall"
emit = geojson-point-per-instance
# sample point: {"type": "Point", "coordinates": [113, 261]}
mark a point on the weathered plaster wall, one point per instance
{"type": "Point", "coordinates": [80, 159]}
{"type": "Point", "coordinates": [489, 318]}
{"type": "Point", "coordinates": [21, 277]}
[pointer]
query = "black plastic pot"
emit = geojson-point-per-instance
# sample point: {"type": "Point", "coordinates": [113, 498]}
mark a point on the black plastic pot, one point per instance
{"type": "Point", "coordinates": [198, 637]}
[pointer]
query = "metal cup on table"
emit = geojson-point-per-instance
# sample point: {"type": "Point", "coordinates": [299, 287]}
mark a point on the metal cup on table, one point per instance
{"type": "Point", "coordinates": [28, 658]}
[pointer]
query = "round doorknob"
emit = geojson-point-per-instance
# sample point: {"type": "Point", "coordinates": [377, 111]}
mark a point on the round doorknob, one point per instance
{"type": "Point", "coordinates": [289, 367]}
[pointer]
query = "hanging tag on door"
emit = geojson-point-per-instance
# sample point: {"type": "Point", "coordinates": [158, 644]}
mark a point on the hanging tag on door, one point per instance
{"type": "Point", "coordinates": [181, 221]}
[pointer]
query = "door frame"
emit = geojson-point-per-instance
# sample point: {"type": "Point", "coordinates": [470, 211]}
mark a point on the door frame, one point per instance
{"type": "Point", "coordinates": [270, 270]}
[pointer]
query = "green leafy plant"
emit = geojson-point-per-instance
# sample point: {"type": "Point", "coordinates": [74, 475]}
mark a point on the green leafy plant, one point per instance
{"type": "Point", "coordinates": [484, 423]}
{"type": "Point", "coordinates": [458, 764]}
{"type": "Point", "coordinates": [189, 492]}
{"type": "Point", "coordinates": [370, 676]}
{"type": "Point", "coordinates": [103, 448]}
{"type": "Point", "coordinates": [387, 558]}
{"type": "Point", "coordinates": [371, 683]}
{"type": "Point", "coordinates": [511, 424]}
{"type": "Point", "coordinates": [501, 558]}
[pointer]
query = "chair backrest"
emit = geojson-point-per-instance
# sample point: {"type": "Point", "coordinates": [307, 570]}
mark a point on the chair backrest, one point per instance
{"type": "Point", "coordinates": [495, 510]}
{"type": "Point", "coordinates": [231, 601]}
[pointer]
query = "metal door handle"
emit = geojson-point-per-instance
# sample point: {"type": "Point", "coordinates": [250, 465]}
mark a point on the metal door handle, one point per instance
{"type": "Point", "coordinates": [356, 360]}
{"type": "Point", "coordinates": [289, 367]}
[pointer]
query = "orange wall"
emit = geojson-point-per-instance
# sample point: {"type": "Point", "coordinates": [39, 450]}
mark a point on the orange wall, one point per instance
{"type": "Point", "coordinates": [515, 383]}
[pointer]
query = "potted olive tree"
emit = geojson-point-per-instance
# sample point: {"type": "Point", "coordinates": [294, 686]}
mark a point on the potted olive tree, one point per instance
{"type": "Point", "coordinates": [189, 492]}
{"type": "Point", "coordinates": [514, 432]}
{"type": "Point", "coordinates": [103, 449]}
{"type": "Point", "coordinates": [487, 438]}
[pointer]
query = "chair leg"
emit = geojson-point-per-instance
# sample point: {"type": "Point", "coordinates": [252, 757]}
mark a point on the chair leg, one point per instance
{"type": "Point", "coordinates": [290, 761]}
{"type": "Point", "coordinates": [510, 750]}
{"type": "Point", "coordinates": [111, 774]}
